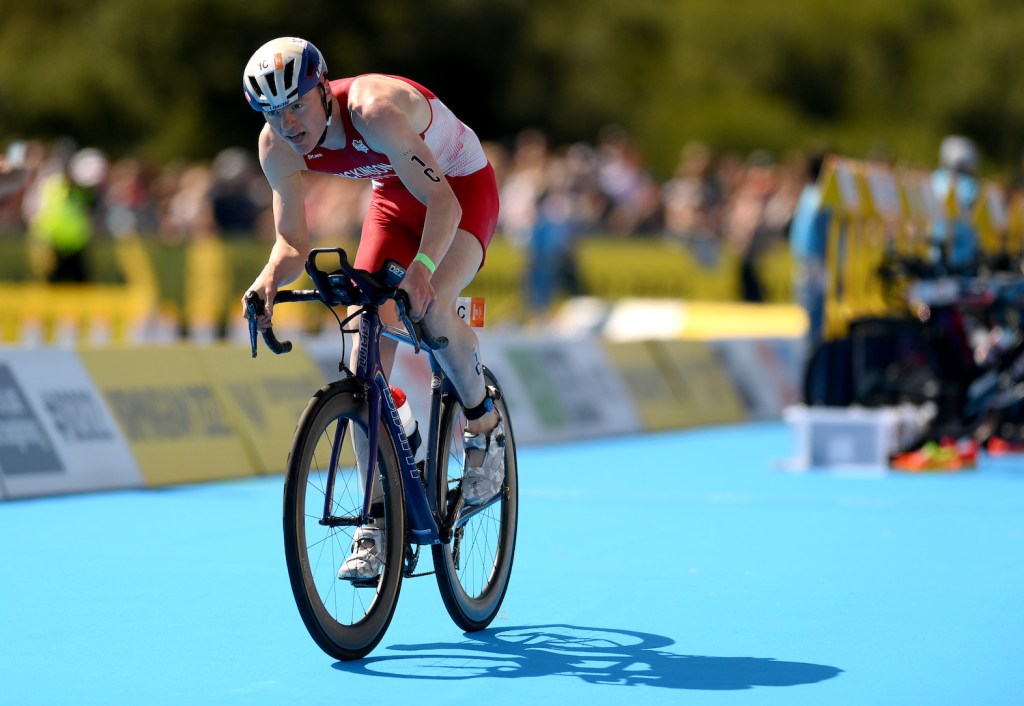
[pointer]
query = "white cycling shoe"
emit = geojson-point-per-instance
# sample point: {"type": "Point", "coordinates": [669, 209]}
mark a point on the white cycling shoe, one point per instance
{"type": "Point", "coordinates": [366, 561]}
{"type": "Point", "coordinates": [485, 464]}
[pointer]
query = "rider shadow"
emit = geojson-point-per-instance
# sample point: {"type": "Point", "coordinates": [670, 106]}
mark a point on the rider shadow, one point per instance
{"type": "Point", "coordinates": [595, 655]}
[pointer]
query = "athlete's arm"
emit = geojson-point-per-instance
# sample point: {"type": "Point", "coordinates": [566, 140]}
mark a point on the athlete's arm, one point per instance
{"type": "Point", "coordinates": [390, 114]}
{"type": "Point", "coordinates": [283, 168]}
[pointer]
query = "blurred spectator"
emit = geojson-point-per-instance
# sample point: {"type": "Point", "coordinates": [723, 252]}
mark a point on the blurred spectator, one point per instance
{"type": "Point", "coordinates": [188, 212]}
{"type": "Point", "coordinates": [693, 203]}
{"type": "Point", "coordinates": [954, 238]}
{"type": "Point", "coordinates": [522, 187]}
{"type": "Point", "coordinates": [746, 227]}
{"type": "Point", "coordinates": [634, 199]}
{"type": "Point", "coordinates": [758, 214]}
{"type": "Point", "coordinates": [12, 177]}
{"type": "Point", "coordinates": [235, 197]}
{"type": "Point", "coordinates": [808, 240]}
{"type": "Point", "coordinates": [15, 173]}
{"type": "Point", "coordinates": [130, 208]}
{"type": "Point", "coordinates": [65, 203]}
{"type": "Point", "coordinates": [561, 214]}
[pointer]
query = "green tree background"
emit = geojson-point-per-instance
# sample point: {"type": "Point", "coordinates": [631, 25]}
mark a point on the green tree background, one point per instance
{"type": "Point", "coordinates": [162, 77]}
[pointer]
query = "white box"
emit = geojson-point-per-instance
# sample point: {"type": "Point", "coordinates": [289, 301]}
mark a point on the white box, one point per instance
{"type": "Point", "coordinates": [850, 436]}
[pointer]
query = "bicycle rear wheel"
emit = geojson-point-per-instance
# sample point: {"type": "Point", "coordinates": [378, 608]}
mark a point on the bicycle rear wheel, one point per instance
{"type": "Point", "coordinates": [345, 619]}
{"type": "Point", "coordinates": [473, 570]}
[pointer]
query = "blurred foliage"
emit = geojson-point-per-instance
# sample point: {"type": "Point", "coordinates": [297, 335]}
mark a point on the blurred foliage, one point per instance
{"type": "Point", "coordinates": [161, 77]}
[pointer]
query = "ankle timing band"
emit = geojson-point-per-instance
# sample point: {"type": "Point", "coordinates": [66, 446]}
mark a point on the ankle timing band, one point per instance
{"type": "Point", "coordinates": [480, 410]}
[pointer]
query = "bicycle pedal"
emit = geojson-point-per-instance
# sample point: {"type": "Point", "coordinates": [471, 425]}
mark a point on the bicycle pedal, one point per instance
{"type": "Point", "coordinates": [364, 583]}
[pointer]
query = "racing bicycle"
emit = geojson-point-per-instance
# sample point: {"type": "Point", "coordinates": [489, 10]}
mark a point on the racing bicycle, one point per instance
{"type": "Point", "coordinates": [351, 464]}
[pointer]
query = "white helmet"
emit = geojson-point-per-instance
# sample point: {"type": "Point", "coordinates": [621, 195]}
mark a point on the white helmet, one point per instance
{"type": "Point", "coordinates": [958, 153]}
{"type": "Point", "coordinates": [281, 71]}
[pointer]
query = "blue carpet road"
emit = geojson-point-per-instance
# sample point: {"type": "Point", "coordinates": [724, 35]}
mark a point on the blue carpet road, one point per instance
{"type": "Point", "coordinates": [683, 568]}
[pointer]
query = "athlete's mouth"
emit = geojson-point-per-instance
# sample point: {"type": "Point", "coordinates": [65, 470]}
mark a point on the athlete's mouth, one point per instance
{"type": "Point", "coordinates": [296, 138]}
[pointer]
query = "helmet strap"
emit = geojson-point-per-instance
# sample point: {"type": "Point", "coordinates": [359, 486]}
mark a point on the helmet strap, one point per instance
{"type": "Point", "coordinates": [328, 110]}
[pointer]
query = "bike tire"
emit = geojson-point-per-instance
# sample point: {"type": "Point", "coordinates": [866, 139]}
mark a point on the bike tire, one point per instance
{"type": "Point", "coordinates": [345, 620]}
{"type": "Point", "coordinates": [473, 570]}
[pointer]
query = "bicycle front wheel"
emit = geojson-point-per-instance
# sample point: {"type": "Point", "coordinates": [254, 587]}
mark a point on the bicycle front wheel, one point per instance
{"type": "Point", "coordinates": [346, 619]}
{"type": "Point", "coordinates": [474, 568]}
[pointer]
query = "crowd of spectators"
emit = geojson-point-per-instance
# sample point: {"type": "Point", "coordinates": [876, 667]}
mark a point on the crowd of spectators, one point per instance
{"type": "Point", "coordinates": [552, 197]}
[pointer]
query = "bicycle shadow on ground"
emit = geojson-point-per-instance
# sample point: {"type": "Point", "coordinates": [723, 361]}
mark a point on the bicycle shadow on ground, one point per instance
{"type": "Point", "coordinates": [595, 655]}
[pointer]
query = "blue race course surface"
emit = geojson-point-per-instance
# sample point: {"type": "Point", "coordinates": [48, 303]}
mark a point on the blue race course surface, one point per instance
{"type": "Point", "coordinates": [682, 568]}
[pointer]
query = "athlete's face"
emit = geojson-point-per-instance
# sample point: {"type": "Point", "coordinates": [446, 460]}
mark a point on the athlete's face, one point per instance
{"type": "Point", "coordinates": [301, 123]}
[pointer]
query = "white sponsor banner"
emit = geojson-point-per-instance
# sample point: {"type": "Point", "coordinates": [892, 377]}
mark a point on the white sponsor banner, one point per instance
{"type": "Point", "coordinates": [559, 389]}
{"type": "Point", "coordinates": [56, 433]}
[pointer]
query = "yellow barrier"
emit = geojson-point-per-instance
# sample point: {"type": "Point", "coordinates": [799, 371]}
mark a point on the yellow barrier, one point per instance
{"type": "Point", "coordinates": [654, 397]}
{"type": "Point", "coordinates": [677, 384]}
{"type": "Point", "coordinates": [74, 313]}
{"type": "Point", "coordinates": [701, 381]}
{"type": "Point", "coordinates": [264, 397]}
{"type": "Point", "coordinates": [170, 412]}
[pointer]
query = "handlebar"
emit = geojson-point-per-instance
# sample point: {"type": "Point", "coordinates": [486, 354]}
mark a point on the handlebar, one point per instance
{"type": "Point", "coordinates": [346, 285]}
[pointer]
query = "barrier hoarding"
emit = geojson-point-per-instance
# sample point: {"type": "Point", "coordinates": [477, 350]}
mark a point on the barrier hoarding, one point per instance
{"type": "Point", "coordinates": [651, 392]}
{"type": "Point", "coordinates": [264, 396]}
{"type": "Point", "coordinates": [701, 381]}
{"type": "Point", "coordinates": [57, 435]}
{"type": "Point", "coordinates": [766, 372]}
{"type": "Point", "coordinates": [170, 413]}
{"type": "Point", "coordinates": [560, 389]}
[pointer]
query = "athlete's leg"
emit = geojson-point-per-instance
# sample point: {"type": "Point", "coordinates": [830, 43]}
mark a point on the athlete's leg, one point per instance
{"type": "Point", "coordinates": [461, 358]}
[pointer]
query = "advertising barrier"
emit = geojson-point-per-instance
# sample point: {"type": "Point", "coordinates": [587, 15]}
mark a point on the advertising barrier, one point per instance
{"type": "Point", "coordinates": [701, 382]}
{"type": "Point", "coordinates": [170, 412]}
{"type": "Point", "coordinates": [657, 403]}
{"type": "Point", "coordinates": [560, 389]}
{"type": "Point", "coordinates": [112, 417]}
{"type": "Point", "coordinates": [57, 434]}
{"type": "Point", "coordinates": [263, 397]}
{"type": "Point", "coordinates": [765, 371]}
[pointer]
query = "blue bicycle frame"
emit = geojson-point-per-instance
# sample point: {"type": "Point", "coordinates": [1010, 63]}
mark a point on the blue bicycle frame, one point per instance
{"type": "Point", "coordinates": [425, 525]}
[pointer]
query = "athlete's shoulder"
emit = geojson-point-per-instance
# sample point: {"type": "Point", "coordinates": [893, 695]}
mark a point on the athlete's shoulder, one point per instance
{"type": "Point", "coordinates": [277, 158]}
{"type": "Point", "coordinates": [370, 87]}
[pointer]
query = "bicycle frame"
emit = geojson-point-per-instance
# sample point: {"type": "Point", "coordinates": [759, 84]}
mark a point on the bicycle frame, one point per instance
{"type": "Point", "coordinates": [425, 524]}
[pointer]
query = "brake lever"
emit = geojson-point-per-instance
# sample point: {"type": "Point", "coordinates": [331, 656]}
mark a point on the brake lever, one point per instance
{"type": "Point", "coordinates": [255, 306]}
{"type": "Point", "coordinates": [418, 329]}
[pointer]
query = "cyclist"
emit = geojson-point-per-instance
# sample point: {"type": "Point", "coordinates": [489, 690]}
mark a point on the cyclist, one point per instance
{"type": "Point", "coordinates": [433, 208]}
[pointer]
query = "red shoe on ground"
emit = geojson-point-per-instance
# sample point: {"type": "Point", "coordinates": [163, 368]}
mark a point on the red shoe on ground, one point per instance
{"type": "Point", "coordinates": [930, 457]}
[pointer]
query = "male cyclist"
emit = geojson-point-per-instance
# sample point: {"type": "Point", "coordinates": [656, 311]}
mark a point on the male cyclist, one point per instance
{"type": "Point", "coordinates": [433, 209]}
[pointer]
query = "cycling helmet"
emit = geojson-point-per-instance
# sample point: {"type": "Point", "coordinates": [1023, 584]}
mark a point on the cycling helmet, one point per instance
{"type": "Point", "coordinates": [280, 71]}
{"type": "Point", "coordinates": [959, 154]}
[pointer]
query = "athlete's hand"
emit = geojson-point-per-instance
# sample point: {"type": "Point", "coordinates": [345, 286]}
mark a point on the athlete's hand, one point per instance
{"type": "Point", "coordinates": [421, 292]}
{"type": "Point", "coordinates": [265, 288]}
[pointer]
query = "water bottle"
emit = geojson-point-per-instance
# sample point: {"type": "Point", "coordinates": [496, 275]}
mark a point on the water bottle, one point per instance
{"type": "Point", "coordinates": [409, 423]}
